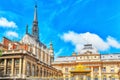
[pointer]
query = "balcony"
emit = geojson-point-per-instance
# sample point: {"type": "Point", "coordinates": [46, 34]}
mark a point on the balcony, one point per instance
{"type": "Point", "coordinates": [14, 51]}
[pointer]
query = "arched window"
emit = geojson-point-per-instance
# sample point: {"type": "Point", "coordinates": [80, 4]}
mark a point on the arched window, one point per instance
{"type": "Point", "coordinates": [112, 77]}
{"type": "Point", "coordinates": [88, 78]}
{"type": "Point", "coordinates": [28, 69]}
{"type": "Point", "coordinates": [96, 77]}
{"type": "Point", "coordinates": [104, 77]}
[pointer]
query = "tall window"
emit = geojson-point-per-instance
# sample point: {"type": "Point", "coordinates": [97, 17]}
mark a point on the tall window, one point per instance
{"type": "Point", "coordinates": [112, 77]}
{"type": "Point", "coordinates": [112, 69]}
{"type": "Point", "coordinates": [88, 78]}
{"type": "Point", "coordinates": [95, 69]}
{"type": "Point", "coordinates": [28, 69]}
{"type": "Point", "coordinates": [8, 71]}
{"type": "Point", "coordinates": [17, 71]}
{"type": "Point", "coordinates": [2, 61]}
{"type": "Point", "coordinates": [104, 77]}
{"type": "Point", "coordinates": [96, 77]}
{"type": "Point", "coordinates": [40, 71]}
{"type": "Point", "coordinates": [66, 69]}
{"type": "Point", "coordinates": [33, 70]}
{"type": "Point", "coordinates": [44, 72]}
{"type": "Point", "coordinates": [16, 61]}
{"type": "Point", "coordinates": [9, 61]}
{"type": "Point", "coordinates": [104, 69]}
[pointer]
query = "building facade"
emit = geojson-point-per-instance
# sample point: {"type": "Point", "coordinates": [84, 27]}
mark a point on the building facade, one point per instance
{"type": "Point", "coordinates": [28, 57]}
{"type": "Point", "coordinates": [88, 64]}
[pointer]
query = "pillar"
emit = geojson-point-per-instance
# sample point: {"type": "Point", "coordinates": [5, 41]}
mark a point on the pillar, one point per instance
{"type": "Point", "coordinates": [84, 77]}
{"type": "Point", "coordinates": [99, 73]}
{"type": "Point", "coordinates": [12, 67]}
{"type": "Point", "coordinates": [92, 73]}
{"type": "Point", "coordinates": [42, 72]}
{"type": "Point", "coordinates": [38, 71]}
{"type": "Point", "coordinates": [31, 68]}
{"type": "Point", "coordinates": [5, 66]}
{"type": "Point", "coordinates": [20, 67]}
{"type": "Point", "coordinates": [24, 67]}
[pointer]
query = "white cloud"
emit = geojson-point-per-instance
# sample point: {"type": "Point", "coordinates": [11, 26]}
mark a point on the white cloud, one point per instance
{"type": "Point", "coordinates": [7, 24]}
{"type": "Point", "coordinates": [113, 42]}
{"type": "Point", "coordinates": [58, 53]}
{"type": "Point", "coordinates": [12, 34]}
{"type": "Point", "coordinates": [78, 40]}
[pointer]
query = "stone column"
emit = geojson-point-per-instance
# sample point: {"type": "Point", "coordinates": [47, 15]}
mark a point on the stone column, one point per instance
{"type": "Point", "coordinates": [99, 73]}
{"type": "Point", "coordinates": [12, 67]}
{"type": "Point", "coordinates": [84, 77]}
{"type": "Point", "coordinates": [38, 71]}
{"type": "Point", "coordinates": [92, 73]}
{"type": "Point", "coordinates": [5, 66]}
{"type": "Point", "coordinates": [24, 68]}
{"type": "Point", "coordinates": [35, 72]}
{"type": "Point", "coordinates": [20, 66]}
{"type": "Point", "coordinates": [42, 72]}
{"type": "Point", "coordinates": [31, 69]}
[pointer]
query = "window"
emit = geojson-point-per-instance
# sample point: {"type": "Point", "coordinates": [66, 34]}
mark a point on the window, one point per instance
{"type": "Point", "coordinates": [112, 69]}
{"type": "Point", "coordinates": [66, 78]}
{"type": "Point", "coordinates": [104, 77]}
{"type": "Point", "coordinates": [95, 69]}
{"type": "Point", "coordinates": [17, 71]}
{"type": "Point", "coordinates": [9, 61]}
{"type": "Point", "coordinates": [96, 77]}
{"type": "Point", "coordinates": [28, 69]}
{"type": "Point", "coordinates": [33, 70]}
{"type": "Point", "coordinates": [16, 61]}
{"type": "Point", "coordinates": [112, 78]}
{"type": "Point", "coordinates": [87, 57]}
{"type": "Point", "coordinates": [2, 61]}
{"type": "Point", "coordinates": [8, 71]}
{"type": "Point", "coordinates": [41, 72]}
{"type": "Point", "coordinates": [104, 69]}
{"type": "Point", "coordinates": [88, 78]}
{"type": "Point", "coordinates": [66, 69]}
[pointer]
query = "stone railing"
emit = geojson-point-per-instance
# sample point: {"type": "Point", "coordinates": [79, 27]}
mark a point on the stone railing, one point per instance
{"type": "Point", "coordinates": [14, 51]}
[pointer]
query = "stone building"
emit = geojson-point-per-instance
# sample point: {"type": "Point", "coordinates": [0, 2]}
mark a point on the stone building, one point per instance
{"type": "Point", "coordinates": [89, 64]}
{"type": "Point", "coordinates": [28, 57]}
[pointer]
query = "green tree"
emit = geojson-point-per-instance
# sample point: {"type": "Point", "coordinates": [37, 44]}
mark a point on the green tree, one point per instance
{"type": "Point", "coordinates": [0, 53]}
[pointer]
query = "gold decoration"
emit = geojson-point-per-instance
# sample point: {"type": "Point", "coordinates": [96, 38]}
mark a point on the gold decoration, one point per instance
{"type": "Point", "coordinates": [80, 68]}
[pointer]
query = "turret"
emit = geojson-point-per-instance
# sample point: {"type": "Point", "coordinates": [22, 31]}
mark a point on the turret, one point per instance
{"type": "Point", "coordinates": [51, 51]}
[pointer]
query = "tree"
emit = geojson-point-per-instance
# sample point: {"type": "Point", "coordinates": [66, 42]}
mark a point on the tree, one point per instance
{"type": "Point", "coordinates": [0, 53]}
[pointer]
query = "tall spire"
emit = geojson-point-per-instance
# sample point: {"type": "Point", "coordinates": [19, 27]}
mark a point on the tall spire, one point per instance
{"type": "Point", "coordinates": [35, 13]}
{"type": "Point", "coordinates": [35, 29]}
{"type": "Point", "coordinates": [27, 29]}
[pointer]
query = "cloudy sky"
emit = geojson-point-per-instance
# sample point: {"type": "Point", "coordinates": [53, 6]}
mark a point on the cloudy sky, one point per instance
{"type": "Point", "coordinates": [69, 24]}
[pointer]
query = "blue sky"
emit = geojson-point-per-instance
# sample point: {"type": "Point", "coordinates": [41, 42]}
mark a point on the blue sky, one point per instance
{"type": "Point", "coordinates": [69, 24]}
